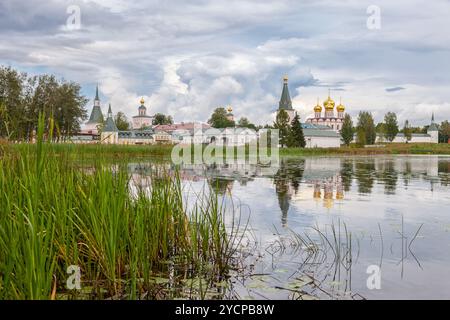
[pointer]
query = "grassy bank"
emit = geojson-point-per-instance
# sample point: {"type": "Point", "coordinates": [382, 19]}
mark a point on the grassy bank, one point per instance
{"type": "Point", "coordinates": [394, 148]}
{"type": "Point", "coordinates": [164, 151]}
{"type": "Point", "coordinates": [128, 243]}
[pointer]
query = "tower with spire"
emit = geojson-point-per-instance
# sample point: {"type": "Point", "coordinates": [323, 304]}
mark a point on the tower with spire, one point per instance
{"type": "Point", "coordinates": [110, 133]}
{"type": "Point", "coordinates": [230, 115]}
{"type": "Point", "coordinates": [96, 117]}
{"type": "Point", "coordinates": [433, 131]}
{"type": "Point", "coordinates": [142, 120]}
{"type": "Point", "coordinates": [285, 100]}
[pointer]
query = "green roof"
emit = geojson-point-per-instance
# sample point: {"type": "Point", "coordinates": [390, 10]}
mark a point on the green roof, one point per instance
{"type": "Point", "coordinates": [110, 125]}
{"type": "Point", "coordinates": [285, 101]}
{"type": "Point", "coordinates": [96, 115]}
{"type": "Point", "coordinates": [96, 93]}
{"type": "Point", "coordinates": [433, 127]}
{"type": "Point", "coordinates": [320, 133]}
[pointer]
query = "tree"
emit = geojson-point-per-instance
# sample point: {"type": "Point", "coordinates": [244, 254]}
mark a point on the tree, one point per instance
{"type": "Point", "coordinates": [282, 124]}
{"type": "Point", "coordinates": [444, 131]}
{"type": "Point", "coordinates": [244, 123]}
{"type": "Point", "coordinates": [162, 119]}
{"type": "Point", "coordinates": [296, 136]}
{"type": "Point", "coordinates": [381, 130]}
{"type": "Point", "coordinates": [121, 121]}
{"type": "Point", "coordinates": [407, 131]}
{"type": "Point", "coordinates": [347, 130]}
{"type": "Point", "coordinates": [24, 97]}
{"type": "Point", "coordinates": [219, 119]}
{"type": "Point", "coordinates": [366, 128]}
{"type": "Point", "coordinates": [390, 121]}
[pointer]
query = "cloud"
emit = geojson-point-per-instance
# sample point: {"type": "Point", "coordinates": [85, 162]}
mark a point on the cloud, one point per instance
{"type": "Point", "coordinates": [188, 57]}
{"type": "Point", "coordinates": [394, 89]}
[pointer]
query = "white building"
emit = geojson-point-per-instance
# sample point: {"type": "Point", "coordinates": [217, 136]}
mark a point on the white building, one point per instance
{"type": "Point", "coordinates": [221, 137]}
{"type": "Point", "coordinates": [317, 136]}
{"type": "Point", "coordinates": [322, 132]}
{"type": "Point", "coordinates": [142, 120]}
{"type": "Point", "coordinates": [432, 136]}
{"type": "Point", "coordinates": [329, 118]}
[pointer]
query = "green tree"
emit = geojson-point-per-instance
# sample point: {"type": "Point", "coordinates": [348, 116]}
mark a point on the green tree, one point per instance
{"type": "Point", "coordinates": [361, 138]}
{"type": "Point", "coordinates": [244, 123]}
{"type": "Point", "coordinates": [161, 118]}
{"type": "Point", "coordinates": [366, 128]}
{"type": "Point", "coordinates": [444, 131]}
{"type": "Point", "coordinates": [296, 136]}
{"type": "Point", "coordinates": [121, 121]}
{"type": "Point", "coordinates": [347, 130]}
{"type": "Point", "coordinates": [282, 124]}
{"type": "Point", "coordinates": [381, 130]}
{"type": "Point", "coordinates": [390, 121]}
{"type": "Point", "coordinates": [219, 119]}
{"type": "Point", "coordinates": [24, 97]}
{"type": "Point", "coordinates": [407, 131]}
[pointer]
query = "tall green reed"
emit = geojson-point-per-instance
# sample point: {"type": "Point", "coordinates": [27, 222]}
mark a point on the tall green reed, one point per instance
{"type": "Point", "coordinates": [54, 214]}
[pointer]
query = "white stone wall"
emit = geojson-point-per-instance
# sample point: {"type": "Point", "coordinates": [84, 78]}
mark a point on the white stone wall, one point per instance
{"type": "Point", "coordinates": [322, 142]}
{"type": "Point", "coordinates": [109, 137]}
{"type": "Point", "coordinates": [134, 141]}
{"type": "Point", "coordinates": [432, 138]}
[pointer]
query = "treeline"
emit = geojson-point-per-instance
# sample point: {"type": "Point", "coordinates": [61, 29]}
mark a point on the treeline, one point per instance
{"type": "Point", "coordinates": [366, 131]}
{"type": "Point", "coordinates": [24, 97]}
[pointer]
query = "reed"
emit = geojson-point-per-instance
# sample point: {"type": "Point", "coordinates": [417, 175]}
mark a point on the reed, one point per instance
{"type": "Point", "coordinates": [128, 244]}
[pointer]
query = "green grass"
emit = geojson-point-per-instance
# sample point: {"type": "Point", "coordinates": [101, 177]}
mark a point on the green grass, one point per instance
{"type": "Point", "coordinates": [119, 152]}
{"type": "Point", "coordinates": [132, 245]}
{"type": "Point", "coordinates": [393, 148]}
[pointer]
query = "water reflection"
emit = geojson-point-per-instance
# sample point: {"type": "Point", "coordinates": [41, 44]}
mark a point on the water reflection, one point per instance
{"type": "Point", "coordinates": [394, 207]}
{"type": "Point", "coordinates": [287, 182]}
{"type": "Point", "coordinates": [324, 180]}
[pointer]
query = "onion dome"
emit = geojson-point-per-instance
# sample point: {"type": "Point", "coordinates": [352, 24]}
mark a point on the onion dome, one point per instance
{"type": "Point", "coordinates": [230, 109]}
{"type": "Point", "coordinates": [340, 107]}
{"type": "Point", "coordinates": [329, 103]}
{"type": "Point", "coordinates": [142, 107]}
{"type": "Point", "coordinates": [318, 107]}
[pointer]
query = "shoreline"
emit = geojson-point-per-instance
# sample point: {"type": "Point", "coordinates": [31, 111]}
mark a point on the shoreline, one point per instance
{"type": "Point", "coordinates": [120, 151]}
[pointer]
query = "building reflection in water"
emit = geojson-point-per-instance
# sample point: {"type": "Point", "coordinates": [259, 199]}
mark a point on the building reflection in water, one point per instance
{"type": "Point", "coordinates": [287, 181]}
{"type": "Point", "coordinates": [324, 179]}
{"type": "Point", "coordinates": [328, 186]}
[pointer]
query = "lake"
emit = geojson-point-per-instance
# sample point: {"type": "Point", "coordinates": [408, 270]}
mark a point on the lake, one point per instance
{"type": "Point", "coordinates": [334, 227]}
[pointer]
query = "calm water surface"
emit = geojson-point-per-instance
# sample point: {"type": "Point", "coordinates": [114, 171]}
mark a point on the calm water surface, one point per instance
{"type": "Point", "coordinates": [387, 211]}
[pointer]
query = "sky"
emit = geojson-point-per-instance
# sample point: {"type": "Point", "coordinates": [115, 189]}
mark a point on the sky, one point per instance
{"type": "Point", "coordinates": [188, 57]}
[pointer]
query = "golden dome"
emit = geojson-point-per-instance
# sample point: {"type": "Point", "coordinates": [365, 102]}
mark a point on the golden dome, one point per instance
{"type": "Point", "coordinates": [142, 100]}
{"type": "Point", "coordinates": [340, 107]}
{"type": "Point", "coordinates": [229, 109]}
{"type": "Point", "coordinates": [329, 104]}
{"type": "Point", "coordinates": [318, 107]}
